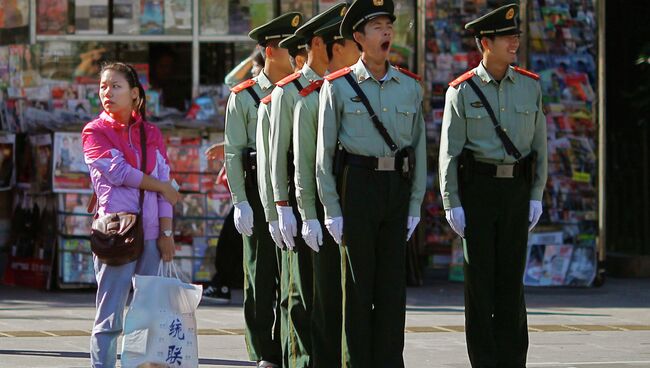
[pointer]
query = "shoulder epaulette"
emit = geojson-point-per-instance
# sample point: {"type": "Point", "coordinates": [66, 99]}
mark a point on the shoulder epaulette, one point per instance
{"type": "Point", "coordinates": [266, 99]}
{"type": "Point", "coordinates": [526, 73]}
{"type": "Point", "coordinates": [339, 73]}
{"type": "Point", "coordinates": [461, 79]}
{"type": "Point", "coordinates": [409, 73]}
{"type": "Point", "coordinates": [313, 86]}
{"type": "Point", "coordinates": [290, 78]}
{"type": "Point", "coordinates": [243, 85]}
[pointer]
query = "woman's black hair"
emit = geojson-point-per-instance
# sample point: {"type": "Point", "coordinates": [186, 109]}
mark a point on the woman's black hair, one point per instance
{"type": "Point", "coordinates": [132, 79]}
{"type": "Point", "coordinates": [258, 57]}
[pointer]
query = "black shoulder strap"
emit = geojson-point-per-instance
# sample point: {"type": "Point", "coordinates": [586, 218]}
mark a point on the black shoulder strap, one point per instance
{"type": "Point", "coordinates": [297, 84]}
{"type": "Point", "coordinates": [251, 91]}
{"type": "Point", "coordinates": [507, 143]}
{"type": "Point", "coordinates": [375, 120]}
{"type": "Point", "coordinates": [143, 164]}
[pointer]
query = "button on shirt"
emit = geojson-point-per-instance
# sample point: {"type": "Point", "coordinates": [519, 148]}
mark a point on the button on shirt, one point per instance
{"type": "Point", "coordinates": [240, 130]}
{"type": "Point", "coordinates": [397, 101]}
{"type": "Point", "coordinates": [517, 103]}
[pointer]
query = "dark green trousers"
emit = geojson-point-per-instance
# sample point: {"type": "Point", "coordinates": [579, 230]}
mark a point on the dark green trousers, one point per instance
{"type": "Point", "coordinates": [373, 267]}
{"type": "Point", "coordinates": [496, 234]}
{"type": "Point", "coordinates": [326, 308]}
{"type": "Point", "coordinates": [261, 288]}
{"type": "Point", "coordinates": [298, 280]}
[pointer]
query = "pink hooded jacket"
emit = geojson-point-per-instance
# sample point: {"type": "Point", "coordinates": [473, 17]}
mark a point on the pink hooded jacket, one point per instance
{"type": "Point", "coordinates": [112, 153]}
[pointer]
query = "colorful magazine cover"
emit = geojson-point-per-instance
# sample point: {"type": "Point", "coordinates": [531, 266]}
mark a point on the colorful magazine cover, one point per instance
{"type": "Point", "coordinates": [126, 17]}
{"type": "Point", "coordinates": [583, 267]}
{"type": "Point", "coordinates": [76, 261]}
{"type": "Point", "coordinates": [204, 255]}
{"type": "Point", "coordinates": [7, 161]}
{"type": "Point", "coordinates": [192, 205]}
{"type": "Point", "coordinates": [41, 151]}
{"type": "Point", "coordinates": [91, 16]}
{"type": "Point", "coordinates": [178, 17]}
{"type": "Point", "coordinates": [70, 172]}
{"type": "Point", "coordinates": [52, 17]}
{"type": "Point", "coordinates": [214, 17]}
{"type": "Point", "coordinates": [151, 17]}
{"type": "Point", "coordinates": [555, 264]}
{"type": "Point", "coordinates": [534, 265]}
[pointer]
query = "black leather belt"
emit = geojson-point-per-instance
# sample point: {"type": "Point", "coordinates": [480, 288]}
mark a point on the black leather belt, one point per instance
{"type": "Point", "coordinates": [372, 163]}
{"type": "Point", "coordinates": [503, 171]}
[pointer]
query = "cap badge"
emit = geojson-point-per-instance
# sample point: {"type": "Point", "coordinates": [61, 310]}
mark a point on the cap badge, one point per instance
{"type": "Point", "coordinates": [378, 2]}
{"type": "Point", "coordinates": [510, 14]}
{"type": "Point", "coordinates": [295, 21]}
{"type": "Point", "coordinates": [343, 10]}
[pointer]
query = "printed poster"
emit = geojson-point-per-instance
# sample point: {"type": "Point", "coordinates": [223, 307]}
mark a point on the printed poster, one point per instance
{"type": "Point", "coordinates": [70, 172]}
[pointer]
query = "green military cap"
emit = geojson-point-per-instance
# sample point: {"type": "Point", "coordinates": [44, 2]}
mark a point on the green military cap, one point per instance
{"type": "Point", "coordinates": [332, 14]}
{"type": "Point", "coordinates": [294, 44]}
{"type": "Point", "coordinates": [278, 28]}
{"type": "Point", "coordinates": [499, 22]}
{"type": "Point", "coordinates": [363, 10]}
{"type": "Point", "coordinates": [330, 32]}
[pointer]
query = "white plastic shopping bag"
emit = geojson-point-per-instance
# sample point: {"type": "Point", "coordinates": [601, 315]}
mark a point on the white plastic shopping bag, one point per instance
{"type": "Point", "coordinates": [160, 326]}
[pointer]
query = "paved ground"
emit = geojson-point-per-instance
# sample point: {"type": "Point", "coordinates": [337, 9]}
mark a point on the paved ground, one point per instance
{"type": "Point", "coordinates": [581, 328]}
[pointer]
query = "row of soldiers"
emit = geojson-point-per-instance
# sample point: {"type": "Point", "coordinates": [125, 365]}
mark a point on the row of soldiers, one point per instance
{"type": "Point", "coordinates": [325, 155]}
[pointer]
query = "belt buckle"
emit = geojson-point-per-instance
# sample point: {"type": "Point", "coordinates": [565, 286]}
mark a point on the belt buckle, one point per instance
{"type": "Point", "coordinates": [385, 164]}
{"type": "Point", "coordinates": [505, 171]}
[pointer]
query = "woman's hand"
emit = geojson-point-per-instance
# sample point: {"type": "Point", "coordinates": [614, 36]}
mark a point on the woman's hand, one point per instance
{"type": "Point", "coordinates": [166, 247]}
{"type": "Point", "coordinates": [171, 195]}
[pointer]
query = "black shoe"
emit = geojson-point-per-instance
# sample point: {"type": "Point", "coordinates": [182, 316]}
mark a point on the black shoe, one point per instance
{"type": "Point", "coordinates": [218, 295]}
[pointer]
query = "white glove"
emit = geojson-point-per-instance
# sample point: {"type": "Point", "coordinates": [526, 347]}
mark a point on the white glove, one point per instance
{"type": "Point", "coordinates": [288, 225]}
{"type": "Point", "coordinates": [534, 214]}
{"type": "Point", "coordinates": [411, 224]}
{"type": "Point", "coordinates": [313, 234]}
{"type": "Point", "coordinates": [456, 219]}
{"type": "Point", "coordinates": [244, 218]}
{"type": "Point", "coordinates": [335, 228]}
{"type": "Point", "coordinates": [276, 235]}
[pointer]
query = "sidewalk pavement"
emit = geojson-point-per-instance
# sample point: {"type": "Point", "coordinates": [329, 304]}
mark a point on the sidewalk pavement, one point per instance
{"type": "Point", "coordinates": [581, 328]}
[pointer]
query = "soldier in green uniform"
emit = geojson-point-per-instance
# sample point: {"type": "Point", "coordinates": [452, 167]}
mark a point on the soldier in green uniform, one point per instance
{"type": "Point", "coordinates": [326, 304]}
{"type": "Point", "coordinates": [261, 277]}
{"type": "Point", "coordinates": [492, 175]}
{"type": "Point", "coordinates": [371, 139]}
{"type": "Point", "coordinates": [297, 56]}
{"type": "Point", "coordinates": [299, 256]}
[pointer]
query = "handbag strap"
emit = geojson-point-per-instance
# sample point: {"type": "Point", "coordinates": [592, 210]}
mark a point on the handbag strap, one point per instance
{"type": "Point", "coordinates": [143, 162]}
{"type": "Point", "coordinates": [375, 120]}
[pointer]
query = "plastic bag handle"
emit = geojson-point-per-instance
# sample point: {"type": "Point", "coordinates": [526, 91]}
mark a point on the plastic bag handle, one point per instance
{"type": "Point", "coordinates": [165, 269]}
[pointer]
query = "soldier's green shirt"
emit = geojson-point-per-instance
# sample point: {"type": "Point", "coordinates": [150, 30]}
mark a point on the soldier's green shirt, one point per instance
{"type": "Point", "coordinates": [282, 108]}
{"type": "Point", "coordinates": [397, 101]}
{"type": "Point", "coordinates": [263, 162]}
{"type": "Point", "coordinates": [305, 126]}
{"type": "Point", "coordinates": [240, 129]}
{"type": "Point", "coordinates": [517, 104]}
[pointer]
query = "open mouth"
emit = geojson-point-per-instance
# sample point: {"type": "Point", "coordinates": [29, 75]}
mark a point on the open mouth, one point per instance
{"type": "Point", "coordinates": [385, 46]}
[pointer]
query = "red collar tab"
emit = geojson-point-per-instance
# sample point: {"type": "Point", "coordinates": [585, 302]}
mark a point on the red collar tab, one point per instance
{"type": "Point", "coordinates": [243, 85]}
{"type": "Point", "coordinates": [409, 73]}
{"type": "Point", "coordinates": [462, 78]}
{"type": "Point", "coordinates": [288, 79]}
{"type": "Point", "coordinates": [526, 73]}
{"type": "Point", "coordinates": [311, 88]}
{"type": "Point", "coordinates": [339, 73]}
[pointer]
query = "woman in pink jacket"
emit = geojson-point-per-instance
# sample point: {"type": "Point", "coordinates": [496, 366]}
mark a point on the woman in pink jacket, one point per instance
{"type": "Point", "coordinates": [112, 151]}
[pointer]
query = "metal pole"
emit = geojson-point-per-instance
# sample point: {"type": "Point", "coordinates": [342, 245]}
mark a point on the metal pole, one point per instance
{"type": "Point", "coordinates": [420, 41]}
{"type": "Point", "coordinates": [32, 21]}
{"type": "Point", "coordinates": [524, 19]}
{"type": "Point", "coordinates": [196, 55]}
{"type": "Point", "coordinates": [602, 133]}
